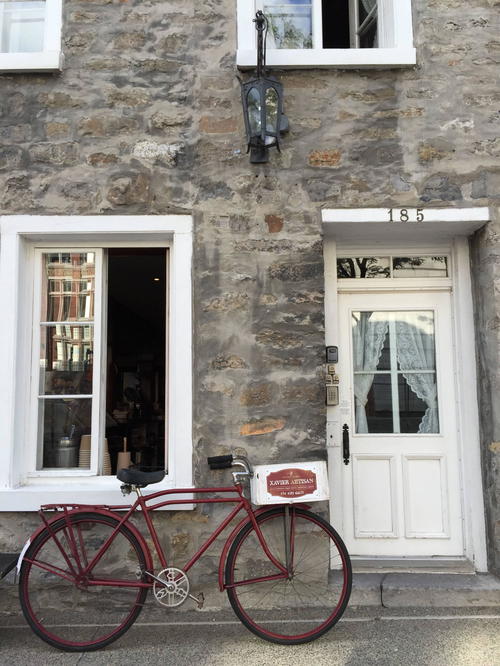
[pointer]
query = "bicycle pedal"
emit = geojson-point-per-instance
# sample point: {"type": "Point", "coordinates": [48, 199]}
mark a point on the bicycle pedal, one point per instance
{"type": "Point", "coordinates": [199, 600]}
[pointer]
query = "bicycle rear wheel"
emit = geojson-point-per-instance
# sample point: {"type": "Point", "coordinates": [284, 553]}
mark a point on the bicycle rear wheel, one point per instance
{"type": "Point", "coordinates": [304, 606]}
{"type": "Point", "coordinates": [63, 607]}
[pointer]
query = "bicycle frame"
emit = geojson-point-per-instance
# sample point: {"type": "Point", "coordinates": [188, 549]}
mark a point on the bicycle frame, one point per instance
{"type": "Point", "coordinates": [85, 568]}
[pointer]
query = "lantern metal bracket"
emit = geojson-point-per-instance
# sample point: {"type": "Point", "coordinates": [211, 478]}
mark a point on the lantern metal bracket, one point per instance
{"type": "Point", "coordinates": [262, 100]}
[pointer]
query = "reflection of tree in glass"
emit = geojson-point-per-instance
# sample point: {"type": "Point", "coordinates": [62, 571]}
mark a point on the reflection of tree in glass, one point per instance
{"type": "Point", "coordinates": [287, 35]}
{"type": "Point", "coordinates": [411, 262]}
{"type": "Point", "coordinates": [361, 267]}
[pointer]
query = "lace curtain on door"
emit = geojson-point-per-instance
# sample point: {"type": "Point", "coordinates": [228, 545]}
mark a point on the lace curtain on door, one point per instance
{"type": "Point", "coordinates": [368, 339]}
{"type": "Point", "coordinates": [415, 351]}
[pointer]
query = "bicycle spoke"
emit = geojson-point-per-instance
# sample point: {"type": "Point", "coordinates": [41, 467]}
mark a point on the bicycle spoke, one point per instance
{"type": "Point", "coordinates": [304, 605]}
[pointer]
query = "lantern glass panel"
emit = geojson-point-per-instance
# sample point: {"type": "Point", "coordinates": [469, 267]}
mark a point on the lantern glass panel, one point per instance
{"type": "Point", "coordinates": [254, 111]}
{"type": "Point", "coordinates": [271, 111]}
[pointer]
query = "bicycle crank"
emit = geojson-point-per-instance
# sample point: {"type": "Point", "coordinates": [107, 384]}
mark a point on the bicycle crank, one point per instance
{"type": "Point", "coordinates": [171, 588]}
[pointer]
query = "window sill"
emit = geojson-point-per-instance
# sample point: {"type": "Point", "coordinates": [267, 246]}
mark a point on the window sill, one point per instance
{"type": "Point", "coordinates": [342, 58]}
{"type": "Point", "coordinates": [104, 490]}
{"type": "Point", "coordinates": [45, 61]}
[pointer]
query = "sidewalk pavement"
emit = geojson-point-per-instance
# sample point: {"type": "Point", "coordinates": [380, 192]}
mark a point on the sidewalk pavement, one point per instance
{"type": "Point", "coordinates": [363, 637]}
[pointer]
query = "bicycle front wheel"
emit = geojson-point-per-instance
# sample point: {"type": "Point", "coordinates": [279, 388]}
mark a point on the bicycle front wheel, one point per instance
{"type": "Point", "coordinates": [303, 606]}
{"type": "Point", "coordinates": [69, 609]}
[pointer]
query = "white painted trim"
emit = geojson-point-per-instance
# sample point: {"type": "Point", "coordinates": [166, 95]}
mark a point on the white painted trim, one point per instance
{"type": "Point", "coordinates": [396, 48]}
{"type": "Point", "coordinates": [333, 426]}
{"type": "Point", "coordinates": [51, 58]}
{"type": "Point", "coordinates": [317, 58]}
{"type": "Point", "coordinates": [468, 414]}
{"type": "Point", "coordinates": [463, 221]}
{"type": "Point", "coordinates": [18, 235]}
{"type": "Point", "coordinates": [376, 215]}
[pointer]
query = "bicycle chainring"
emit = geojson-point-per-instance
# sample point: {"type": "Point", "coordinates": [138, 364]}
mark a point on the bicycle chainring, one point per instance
{"type": "Point", "coordinates": [175, 589]}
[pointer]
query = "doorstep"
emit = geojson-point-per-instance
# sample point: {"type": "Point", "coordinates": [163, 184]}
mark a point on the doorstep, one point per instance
{"type": "Point", "coordinates": [443, 590]}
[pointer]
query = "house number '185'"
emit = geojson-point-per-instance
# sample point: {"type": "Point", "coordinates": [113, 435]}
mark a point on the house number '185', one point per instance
{"type": "Point", "coordinates": [406, 214]}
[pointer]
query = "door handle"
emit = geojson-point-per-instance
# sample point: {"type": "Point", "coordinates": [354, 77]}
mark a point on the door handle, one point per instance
{"type": "Point", "coordinates": [345, 444]}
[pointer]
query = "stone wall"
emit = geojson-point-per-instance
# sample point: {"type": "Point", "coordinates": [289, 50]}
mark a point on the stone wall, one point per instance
{"type": "Point", "coordinates": [146, 118]}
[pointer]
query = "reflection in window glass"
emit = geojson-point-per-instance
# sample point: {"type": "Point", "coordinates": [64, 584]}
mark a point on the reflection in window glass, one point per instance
{"type": "Point", "coordinates": [367, 23]}
{"type": "Point", "coordinates": [394, 365]}
{"type": "Point", "coordinates": [363, 267]}
{"type": "Point", "coordinates": [271, 111]}
{"type": "Point", "coordinates": [21, 26]}
{"type": "Point", "coordinates": [290, 24]}
{"type": "Point", "coordinates": [68, 287]}
{"type": "Point", "coordinates": [405, 267]}
{"type": "Point", "coordinates": [66, 354]}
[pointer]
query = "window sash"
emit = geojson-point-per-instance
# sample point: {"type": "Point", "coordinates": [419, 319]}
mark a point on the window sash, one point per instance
{"type": "Point", "coordinates": [394, 34]}
{"type": "Point", "coordinates": [49, 58]}
{"type": "Point", "coordinates": [98, 378]}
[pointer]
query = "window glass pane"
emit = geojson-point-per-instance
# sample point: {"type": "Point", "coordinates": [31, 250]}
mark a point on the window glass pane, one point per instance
{"type": "Point", "coordinates": [404, 267]}
{"type": "Point", "coordinates": [367, 24]}
{"type": "Point", "coordinates": [66, 360]}
{"type": "Point", "coordinates": [290, 24]}
{"type": "Point", "coordinates": [68, 286]}
{"type": "Point", "coordinates": [394, 366]}
{"type": "Point", "coordinates": [21, 26]}
{"type": "Point", "coordinates": [63, 424]}
{"type": "Point", "coordinates": [363, 267]}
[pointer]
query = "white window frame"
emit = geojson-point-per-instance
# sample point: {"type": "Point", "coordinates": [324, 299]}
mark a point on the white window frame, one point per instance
{"type": "Point", "coordinates": [50, 59]}
{"type": "Point", "coordinates": [21, 489]}
{"type": "Point", "coordinates": [395, 38]}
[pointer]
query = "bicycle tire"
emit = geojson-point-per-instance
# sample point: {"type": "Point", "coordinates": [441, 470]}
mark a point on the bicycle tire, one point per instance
{"type": "Point", "coordinates": [76, 617]}
{"type": "Point", "coordinates": [305, 607]}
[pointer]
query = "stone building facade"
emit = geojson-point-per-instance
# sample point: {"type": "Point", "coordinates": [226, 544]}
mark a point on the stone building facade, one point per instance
{"type": "Point", "coordinates": [145, 119]}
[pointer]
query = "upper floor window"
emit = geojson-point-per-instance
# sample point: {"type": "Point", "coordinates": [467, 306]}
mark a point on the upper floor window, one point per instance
{"type": "Point", "coordinates": [316, 33]}
{"type": "Point", "coordinates": [30, 35]}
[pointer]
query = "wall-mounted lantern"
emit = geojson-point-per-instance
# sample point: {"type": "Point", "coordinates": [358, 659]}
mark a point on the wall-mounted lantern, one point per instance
{"type": "Point", "coordinates": [262, 100]}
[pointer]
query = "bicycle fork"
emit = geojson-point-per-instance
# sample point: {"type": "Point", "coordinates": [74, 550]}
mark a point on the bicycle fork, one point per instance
{"type": "Point", "coordinates": [288, 548]}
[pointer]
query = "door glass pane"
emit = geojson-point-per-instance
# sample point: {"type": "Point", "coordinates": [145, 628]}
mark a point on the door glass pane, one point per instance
{"type": "Point", "coordinates": [363, 267]}
{"type": "Point", "coordinates": [68, 286]}
{"type": "Point", "coordinates": [290, 24]}
{"type": "Point", "coordinates": [394, 364]}
{"type": "Point", "coordinates": [405, 267]}
{"type": "Point", "coordinates": [21, 26]}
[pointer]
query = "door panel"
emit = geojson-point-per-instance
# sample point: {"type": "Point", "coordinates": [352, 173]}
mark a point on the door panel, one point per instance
{"type": "Point", "coordinates": [401, 492]}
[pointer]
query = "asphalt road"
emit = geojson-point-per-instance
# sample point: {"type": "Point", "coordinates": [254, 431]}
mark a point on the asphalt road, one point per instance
{"type": "Point", "coordinates": [413, 637]}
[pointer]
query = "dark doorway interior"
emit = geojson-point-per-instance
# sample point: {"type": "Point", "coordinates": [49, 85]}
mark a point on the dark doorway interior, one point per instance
{"type": "Point", "coordinates": [135, 386]}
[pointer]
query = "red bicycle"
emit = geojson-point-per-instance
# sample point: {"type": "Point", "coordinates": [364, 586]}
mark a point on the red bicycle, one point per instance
{"type": "Point", "coordinates": [85, 574]}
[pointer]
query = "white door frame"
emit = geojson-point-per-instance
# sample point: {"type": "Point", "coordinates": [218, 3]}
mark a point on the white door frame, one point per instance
{"type": "Point", "coordinates": [450, 226]}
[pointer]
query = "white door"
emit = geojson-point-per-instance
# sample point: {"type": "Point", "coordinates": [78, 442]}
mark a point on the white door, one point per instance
{"type": "Point", "coordinates": [401, 488]}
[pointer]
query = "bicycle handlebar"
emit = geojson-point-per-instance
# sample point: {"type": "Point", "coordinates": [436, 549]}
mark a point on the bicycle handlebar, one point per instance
{"type": "Point", "coordinates": [220, 462]}
{"type": "Point", "coordinates": [225, 462]}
